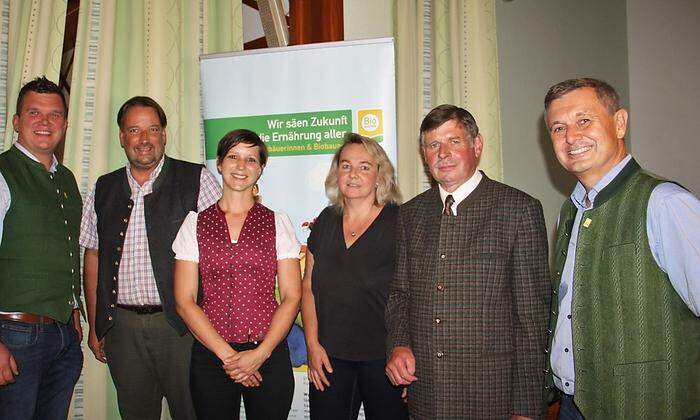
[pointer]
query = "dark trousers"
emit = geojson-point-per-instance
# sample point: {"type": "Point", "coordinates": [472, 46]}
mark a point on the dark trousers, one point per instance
{"type": "Point", "coordinates": [355, 383]}
{"type": "Point", "coordinates": [568, 410]}
{"type": "Point", "coordinates": [149, 360]}
{"type": "Point", "coordinates": [216, 396]}
{"type": "Point", "coordinates": [49, 360]}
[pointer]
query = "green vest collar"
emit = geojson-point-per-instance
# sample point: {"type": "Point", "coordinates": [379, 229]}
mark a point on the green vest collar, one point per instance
{"type": "Point", "coordinates": [614, 186]}
{"type": "Point", "coordinates": [14, 149]}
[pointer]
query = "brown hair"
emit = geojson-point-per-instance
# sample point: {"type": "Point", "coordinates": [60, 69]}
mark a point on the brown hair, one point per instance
{"type": "Point", "coordinates": [241, 135]}
{"type": "Point", "coordinates": [40, 85]}
{"type": "Point", "coordinates": [606, 94]}
{"type": "Point", "coordinates": [142, 101]}
{"type": "Point", "coordinates": [446, 112]}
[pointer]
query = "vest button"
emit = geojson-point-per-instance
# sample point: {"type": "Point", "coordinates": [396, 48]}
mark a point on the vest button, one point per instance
{"type": "Point", "coordinates": [440, 287]}
{"type": "Point", "coordinates": [439, 354]}
{"type": "Point", "coordinates": [438, 320]}
{"type": "Point", "coordinates": [109, 318]}
{"type": "Point", "coordinates": [443, 256]}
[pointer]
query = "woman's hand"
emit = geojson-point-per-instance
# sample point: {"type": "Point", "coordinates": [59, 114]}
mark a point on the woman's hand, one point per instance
{"type": "Point", "coordinates": [243, 366]}
{"type": "Point", "coordinates": [318, 361]}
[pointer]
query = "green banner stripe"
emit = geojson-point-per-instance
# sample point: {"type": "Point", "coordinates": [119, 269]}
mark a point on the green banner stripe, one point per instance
{"type": "Point", "coordinates": [304, 133]}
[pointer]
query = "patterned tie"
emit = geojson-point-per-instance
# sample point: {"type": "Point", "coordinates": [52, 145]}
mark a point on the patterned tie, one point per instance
{"type": "Point", "coordinates": [447, 211]}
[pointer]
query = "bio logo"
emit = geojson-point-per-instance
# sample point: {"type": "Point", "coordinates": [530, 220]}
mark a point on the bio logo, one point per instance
{"type": "Point", "coordinates": [370, 122]}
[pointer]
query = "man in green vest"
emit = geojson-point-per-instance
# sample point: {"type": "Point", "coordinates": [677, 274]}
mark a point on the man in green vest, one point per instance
{"type": "Point", "coordinates": [625, 332]}
{"type": "Point", "coordinates": [40, 334]}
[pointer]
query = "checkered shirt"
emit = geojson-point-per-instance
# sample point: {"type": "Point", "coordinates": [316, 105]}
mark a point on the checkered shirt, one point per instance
{"type": "Point", "coordinates": [137, 283]}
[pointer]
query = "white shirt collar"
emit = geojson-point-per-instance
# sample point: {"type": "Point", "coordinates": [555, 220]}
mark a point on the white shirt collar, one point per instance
{"type": "Point", "coordinates": [54, 161]}
{"type": "Point", "coordinates": [462, 191]}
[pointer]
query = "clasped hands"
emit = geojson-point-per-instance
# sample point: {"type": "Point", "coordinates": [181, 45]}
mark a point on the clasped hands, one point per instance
{"type": "Point", "coordinates": [243, 367]}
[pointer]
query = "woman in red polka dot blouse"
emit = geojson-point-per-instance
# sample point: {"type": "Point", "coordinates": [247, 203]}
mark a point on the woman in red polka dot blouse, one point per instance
{"type": "Point", "coordinates": [235, 249]}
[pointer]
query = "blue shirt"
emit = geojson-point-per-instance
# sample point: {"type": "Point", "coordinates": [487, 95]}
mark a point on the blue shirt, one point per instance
{"type": "Point", "coordinates": [673, 230]}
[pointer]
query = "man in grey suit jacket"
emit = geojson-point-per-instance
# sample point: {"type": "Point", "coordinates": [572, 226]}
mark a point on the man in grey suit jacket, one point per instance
{"type": "Point", "coordinates": [469, 303]}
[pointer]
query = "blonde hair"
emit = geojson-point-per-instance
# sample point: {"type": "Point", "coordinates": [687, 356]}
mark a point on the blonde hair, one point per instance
{"type": "Point", "coordinates": [387, 189]}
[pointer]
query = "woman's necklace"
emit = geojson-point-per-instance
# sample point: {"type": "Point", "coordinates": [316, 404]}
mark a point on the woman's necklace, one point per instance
{"type": "Point", "coordinates": [360, 226]}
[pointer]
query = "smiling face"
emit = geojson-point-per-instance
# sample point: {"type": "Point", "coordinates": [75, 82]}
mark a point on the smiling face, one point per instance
{"type": "Point", "coordinates": [240, 168]}
{"type": "Point", "coordinates": [357, 173]}
{"type": "Point", "coordinates": [143, 138]}
{"type": "Point", "coordinates": [41, 123]}
{"type": "Point", "coordinates": [587, 138]}
{"type": "Point", "coordinates": [451, 156]}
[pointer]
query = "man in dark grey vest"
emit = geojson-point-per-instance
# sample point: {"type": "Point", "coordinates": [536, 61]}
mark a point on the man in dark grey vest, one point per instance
{"type": "Point", "coordinates": [468, 306]}
{"type": "Point", "coordinates": [130, 220]}
{"type": "Point", "coordinates": [40, 333]}
{"type": "Point", "coordinates": [626, 295]}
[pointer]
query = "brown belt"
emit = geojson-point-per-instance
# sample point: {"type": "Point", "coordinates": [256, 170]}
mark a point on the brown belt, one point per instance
{"type": "Point", "coordinates": [28, 318]}
{"type": "Point", "coordinates": [142, 309]}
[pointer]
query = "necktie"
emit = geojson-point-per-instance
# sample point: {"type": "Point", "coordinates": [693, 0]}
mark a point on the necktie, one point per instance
{"type": "Point", "coordinates": [449, 200]}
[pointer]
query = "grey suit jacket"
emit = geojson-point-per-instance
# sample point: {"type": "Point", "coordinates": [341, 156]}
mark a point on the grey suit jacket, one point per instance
{"type": "Point", "coordinates": [470, 297]}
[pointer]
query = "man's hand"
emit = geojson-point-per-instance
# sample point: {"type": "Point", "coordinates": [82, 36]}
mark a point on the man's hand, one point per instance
{"type": "Point", "coordinates": [8, 366]}
{"type": "Point", "coordinates": [77, 325]}
{"type": "Point", "coordinates": [97, 346]}
{"type": "Point", "coordinates": [318, 361]}
{"type": "Point", "coordinates": [401, 366]}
